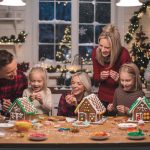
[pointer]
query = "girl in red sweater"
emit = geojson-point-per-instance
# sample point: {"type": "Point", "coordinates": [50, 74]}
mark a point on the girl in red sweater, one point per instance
{"type": "Point", "coordinates": [107, 59]}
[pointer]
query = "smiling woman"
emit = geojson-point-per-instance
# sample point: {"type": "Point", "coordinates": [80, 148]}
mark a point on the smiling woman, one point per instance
{"type": "Point", "coordinates": [107, 59]}
{"type": "Point", "coordinates": [81, 86]}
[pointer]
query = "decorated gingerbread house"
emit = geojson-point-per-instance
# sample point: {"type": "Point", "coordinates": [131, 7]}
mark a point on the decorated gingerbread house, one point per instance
{"type": "Point", "coordinates": [90, 109]}
{"type": "Point", "coordinates": [140, 110]}
{"type": "Point", "coordinates": [22, 109]}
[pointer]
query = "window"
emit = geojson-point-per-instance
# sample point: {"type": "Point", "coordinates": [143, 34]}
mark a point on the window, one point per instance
{"type": "Point", "coordinates": [93, 15]}
{"type": "Point", "coordinates": [56, 35]}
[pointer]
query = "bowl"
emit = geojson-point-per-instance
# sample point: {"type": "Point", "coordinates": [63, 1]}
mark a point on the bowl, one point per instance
{"type": "Point", "coordinates": [23, 125]}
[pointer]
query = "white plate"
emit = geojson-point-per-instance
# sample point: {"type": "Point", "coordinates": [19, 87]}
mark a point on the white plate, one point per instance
{"type": "Point", "coordinates": [2, 134]}
{"type": "Point", "coordinates": [6, 125]}
{"type": "Point", "coordinates": [136, 137]}
{"type": "Point", "coordinates": [80, 124]}
{"type": "Point", "coordinates": [100, 137]}
{"type": "Point", "coordinates": [127, 125]}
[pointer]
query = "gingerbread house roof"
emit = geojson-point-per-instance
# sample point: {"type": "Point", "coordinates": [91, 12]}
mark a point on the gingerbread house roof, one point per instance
{"type": "Point", "coordinates": [95, 103]}
{"type": "Point", "coordinates": [138, 101]}
{"type": "Point", "coordinates": [25, 104]}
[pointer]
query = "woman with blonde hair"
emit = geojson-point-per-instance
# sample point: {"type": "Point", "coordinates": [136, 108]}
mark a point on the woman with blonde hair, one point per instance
{"type": "Point", "coordinates": [81, 87]}
{"type": "Point", "coordinates": [130, 88]}
{"type": "Point", "coordinates": [107, 59]}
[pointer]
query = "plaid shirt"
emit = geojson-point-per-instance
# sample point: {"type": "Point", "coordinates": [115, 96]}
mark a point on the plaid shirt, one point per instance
{"type": "Point", "coordinates": [64, 109]}
{"type": "Point", "coordinates": [12, 89]}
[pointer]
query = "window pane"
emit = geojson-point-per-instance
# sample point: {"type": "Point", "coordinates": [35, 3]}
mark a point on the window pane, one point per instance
{"type": "Point", "coordinates": [86, 12]}
{"type": "Point", "coordinates": [63, 11]}
{"type": "Point", "coordinates": [103, 13]}
{"type": "Point", "coordinates": [46, 33]}
{"type": "Point", "coordinates": [98, 30]}
{"type": "Point", "coordinates": [86, 0]}
{"type": "Point", "coordinates": [85, 52]}
{"type": "Point", "coordinates": [103, 0]}
{"type": "Point", "coordinates": [63, 38]}
{"type": "Point", "coordinates": [46, 51]}
{"type": "Point", "coordinates": [63, 53]}
{"type": "Point", "coordinates": [86, 34]}
{"type": "Point", "coordinates": [46, 10]}
{"type": "Point", "coordinates": [63, 33]}
{"type": "Point", "coordinates": [63, 0]}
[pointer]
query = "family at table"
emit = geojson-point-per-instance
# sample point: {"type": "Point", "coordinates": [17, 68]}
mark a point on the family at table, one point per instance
{"type": "Point", "coordinates": [118, 79]}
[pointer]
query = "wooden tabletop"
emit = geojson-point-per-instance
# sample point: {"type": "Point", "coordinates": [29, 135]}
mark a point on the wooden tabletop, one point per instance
{"type": "Point", "coordinates": [118, 137]}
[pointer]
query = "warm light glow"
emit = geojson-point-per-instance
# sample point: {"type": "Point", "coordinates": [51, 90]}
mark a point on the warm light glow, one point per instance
{"type": "Point", "coordinates": [128, 3]}
{"type": "Point", "coordinates": [12, 3]}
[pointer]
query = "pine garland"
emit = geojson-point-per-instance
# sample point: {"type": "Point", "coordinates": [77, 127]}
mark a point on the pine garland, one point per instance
{"type": "Point", "coordinates": [135, 21]}
{"type": "Point", "coordinates": [13, 40]}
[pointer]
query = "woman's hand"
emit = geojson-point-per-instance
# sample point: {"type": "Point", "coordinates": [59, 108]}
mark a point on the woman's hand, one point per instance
{"type": "Point", "coordinates": [70, 99]}
{"type": "Point", "coordinates": [114, 75]}
{"type": "Point", "coordinates": [110, 107]}
{"type": "Point", "coordinates": [104, 75]}
{"type": "Point", "coordinates": [6, 104]}
{"type": "Point", "coordinates": [122, 109]}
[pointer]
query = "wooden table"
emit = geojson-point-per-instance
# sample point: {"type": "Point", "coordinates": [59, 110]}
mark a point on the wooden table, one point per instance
{"type": "Point", "coordinates": [68, 140]}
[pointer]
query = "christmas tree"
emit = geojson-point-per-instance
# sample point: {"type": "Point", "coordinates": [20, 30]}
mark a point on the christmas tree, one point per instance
{"type": "Point", "coordinates": [63, 53]}
{"type": "Point", "coordinates": [140, 52]}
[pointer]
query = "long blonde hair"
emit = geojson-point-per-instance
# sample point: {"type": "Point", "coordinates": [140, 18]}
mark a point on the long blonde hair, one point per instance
{"type": "Point", "coordinates": [43, 72]}
{"type": "Point", "coordinates": [132, 70]}
{"type": "Point", "coordinates": [111, 33]}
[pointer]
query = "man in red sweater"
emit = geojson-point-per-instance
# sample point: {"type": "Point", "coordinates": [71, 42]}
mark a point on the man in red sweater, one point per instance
{"type": "Point", "coordinates": [12, 81]}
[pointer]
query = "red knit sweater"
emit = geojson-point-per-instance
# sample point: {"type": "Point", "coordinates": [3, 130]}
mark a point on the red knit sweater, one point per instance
{"type": "Point", "coordinates": [107, 87]}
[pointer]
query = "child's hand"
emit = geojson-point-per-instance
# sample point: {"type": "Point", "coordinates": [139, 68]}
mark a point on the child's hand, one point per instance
{"type": "Point", "coordinates": [38, 97]}
{"type": "Point", "coordinates": [70, 99]}
{"type": "Point", "coordinates": [110, 107]}
{"type": "Point", "coordinates": [104, 75]}
{"type": "Point", "coordinates": [6, 104]}
{"type": "Point", "coordinates": [114, 75]}
{"type": "Point", "coordinates": [122, 109]}
{"type": "Point", "coordinates": [32, 97]}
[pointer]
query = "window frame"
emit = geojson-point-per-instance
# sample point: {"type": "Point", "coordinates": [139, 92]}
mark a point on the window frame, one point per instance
{"type": "Point", "coordinates": [74, 24]}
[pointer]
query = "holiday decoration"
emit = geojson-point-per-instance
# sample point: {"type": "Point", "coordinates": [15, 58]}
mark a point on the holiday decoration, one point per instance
{"type": "Point", "coordinates": [90, 109]}
{"type": "Point", "coordinates": [140, 110]}
{"type": "Point", "coordinates": [22, 109]}
{"type": "Point", "coordinates": [135, 21]}
{"type": "Point", "coordinates": [140, 51]}
{"type": "Point", "coordinates": [24, 66]}
{"type": "Point", "coordinates": [63, 54]}
{"type": "Point", "coordinates": [13, 40]}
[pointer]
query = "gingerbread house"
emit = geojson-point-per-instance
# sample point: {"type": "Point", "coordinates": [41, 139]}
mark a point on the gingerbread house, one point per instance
{"type": "Point", "coordinates": [22, 109]}
{"type": "Point", "coordinates": [90, 109]}
{"type": "Point", "coordinates": [140, 109]}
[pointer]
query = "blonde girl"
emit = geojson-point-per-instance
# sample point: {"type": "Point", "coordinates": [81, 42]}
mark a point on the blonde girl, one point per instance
{"type": "Point", "coordinates": [38, 91]}
{"type": "Point", "coordinates": [129, 90]}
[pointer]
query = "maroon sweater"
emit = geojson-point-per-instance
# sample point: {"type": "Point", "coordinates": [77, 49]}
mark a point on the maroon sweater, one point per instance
{"type": "Point", "coordinates": [107, 87]}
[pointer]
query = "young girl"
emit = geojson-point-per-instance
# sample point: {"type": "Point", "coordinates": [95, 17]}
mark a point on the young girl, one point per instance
{"type": "Point", "coordinates": [38, 91]}
{"type": "Point", "coordinates": [129, 90]}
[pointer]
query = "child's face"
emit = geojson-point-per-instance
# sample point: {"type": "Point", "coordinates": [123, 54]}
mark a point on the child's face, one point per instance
{"type": "Point", "coordinates": [127, 81]}
{"type": "Point", "coordinates": [36, 82]}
